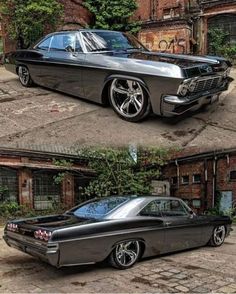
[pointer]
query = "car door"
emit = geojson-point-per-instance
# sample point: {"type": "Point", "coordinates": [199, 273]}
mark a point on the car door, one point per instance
{"type": "Point", "coordinates": [182, 229]}
{"type": "Point", "coordinates": [155, 237]}
{"type": "Point", "coordinates": [63, 64]}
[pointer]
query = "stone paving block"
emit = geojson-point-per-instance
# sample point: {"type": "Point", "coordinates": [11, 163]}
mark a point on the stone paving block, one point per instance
{"type": "Point", "coordinates": [182, 289]}
{"type": "Point", "coordinates": [227, 289]}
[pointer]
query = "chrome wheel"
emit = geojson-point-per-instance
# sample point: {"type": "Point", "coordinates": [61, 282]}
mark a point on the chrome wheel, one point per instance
{"type": "Point", "coordinates": [127, 97]}
{"type": "Point", "coordinates": [127, 253]}
{"type": "Point", "coordinates": [24, 75]}
{"type": "Point", "coordinates": [219, 235]}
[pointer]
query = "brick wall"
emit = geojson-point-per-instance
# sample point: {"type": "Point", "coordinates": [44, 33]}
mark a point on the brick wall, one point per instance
{"type": "Point", "coordinates": [167, 39]}
{"type": "Point", "coordinates": [76, 16]}
{"type": "Point", "coordinates": [27, 165]}
{"type": "Point", "coordinates": [206, 190]}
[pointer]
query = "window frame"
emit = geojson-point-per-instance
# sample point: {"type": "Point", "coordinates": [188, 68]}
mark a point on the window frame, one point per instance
{"type": "Point", "coordinates": [230, 178]}
{"type": "Point", "coordinates": [161, 212]}
{"type": "Point", "coordinates": [42, 41]}
{"type": "Point", "coordinates": [182, 180]}
{"type": "Point", "coordinates": [197, 182]}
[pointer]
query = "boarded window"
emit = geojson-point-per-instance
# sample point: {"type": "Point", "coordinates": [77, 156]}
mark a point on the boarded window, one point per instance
{"type": "Point", "coordinates": [8, 185]}
{"type": "Point", "coordinates": [46, 192]}
{"type": "Point", "coordinates": [232, 175]}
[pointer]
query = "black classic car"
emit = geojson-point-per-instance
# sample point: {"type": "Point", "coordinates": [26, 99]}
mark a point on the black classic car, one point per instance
{"type": "Point", "coordinates": [113, 67]}
{"type": "Point", "coordinates": [122, 229]}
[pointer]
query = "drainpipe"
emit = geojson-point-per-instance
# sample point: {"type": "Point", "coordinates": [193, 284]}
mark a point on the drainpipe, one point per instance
{"type": "Point", "coordinates": [205, 185]}
{"type": "Point", "coordinates": [214, 181]}
{"type": "Point", "coordinates": [177, 166]}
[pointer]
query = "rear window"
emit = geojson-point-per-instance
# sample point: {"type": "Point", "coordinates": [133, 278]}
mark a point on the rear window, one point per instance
{"type": "Point", "coordinates": [99, 208]}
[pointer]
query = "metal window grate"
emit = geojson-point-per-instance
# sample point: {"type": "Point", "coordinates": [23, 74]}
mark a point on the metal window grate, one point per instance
{"type": "Point", "coordinates": [8, 185]}
{"type": "Point", "coordinates": [46, 192]}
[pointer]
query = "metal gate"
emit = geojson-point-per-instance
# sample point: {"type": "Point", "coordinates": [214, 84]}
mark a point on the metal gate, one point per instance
{"type": "Point", "coordinates": [46, 193]}
{"type": "Point", "coordinates": [8, 185]}
{"type": "Point", "coordinates": [226, 200]}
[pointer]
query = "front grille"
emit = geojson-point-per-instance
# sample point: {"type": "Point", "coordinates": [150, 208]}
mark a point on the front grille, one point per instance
{"type": "Point", "coordinates": [207, 84]}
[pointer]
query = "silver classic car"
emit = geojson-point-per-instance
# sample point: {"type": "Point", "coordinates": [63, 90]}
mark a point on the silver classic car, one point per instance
{"type": "Point", "coordinates": [120, 229]}
{"type": "Point", "coordinates": [114, 68]}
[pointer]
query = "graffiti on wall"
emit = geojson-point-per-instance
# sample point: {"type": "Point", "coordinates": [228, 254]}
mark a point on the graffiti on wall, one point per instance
{"type": "Point", "coordinates": [167, 42]}
{"type": "Point", "coordinates": [174, 45]}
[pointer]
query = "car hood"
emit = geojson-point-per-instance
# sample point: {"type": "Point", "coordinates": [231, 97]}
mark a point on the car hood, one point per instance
{"type": "Point", "coordinates": [191, 65]}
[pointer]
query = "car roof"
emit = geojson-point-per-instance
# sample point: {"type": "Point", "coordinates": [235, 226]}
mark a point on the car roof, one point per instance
{"type": "Point", "coordinates": [80, 30]}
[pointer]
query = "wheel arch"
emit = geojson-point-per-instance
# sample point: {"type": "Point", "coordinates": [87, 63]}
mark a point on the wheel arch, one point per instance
{"type": "Point", "coordinates": [108, 81]}
{"type": "Point", "coordinates": [18, 65]}
{"type": "Point", "coordinates": [140, 240]}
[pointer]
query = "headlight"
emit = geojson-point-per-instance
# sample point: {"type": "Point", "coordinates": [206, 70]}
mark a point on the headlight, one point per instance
{"type": "Point", "coordinates": [187, 86]}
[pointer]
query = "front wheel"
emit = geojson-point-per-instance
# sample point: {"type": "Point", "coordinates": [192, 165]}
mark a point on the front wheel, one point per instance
{"type": "Point", "coordinates": [218, 236]}
{"type": "Point", "coordinates": [125, 254]}
{"type": "Point", "coordinates": [129, 100]}
{"type": "Point", "coordinates": [24, 76]}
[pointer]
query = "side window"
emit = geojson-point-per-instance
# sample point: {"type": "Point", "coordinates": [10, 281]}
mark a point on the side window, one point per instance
{"type": "Point", "coordinates": [172, 208]}
{"type": "Point", "coordinates": [63, 42]}
{"type": "Point", "coordinates": [45, 44]}
{"type": "Point", "coordinates": [152, 209]}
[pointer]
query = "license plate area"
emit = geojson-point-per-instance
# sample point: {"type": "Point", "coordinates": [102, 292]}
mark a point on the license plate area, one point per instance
{"type": "Point", "coordinates": [214, 99]}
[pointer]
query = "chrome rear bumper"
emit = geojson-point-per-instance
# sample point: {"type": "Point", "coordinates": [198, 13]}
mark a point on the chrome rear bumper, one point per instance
{"type": "Point", "coordinates": [48, 252]}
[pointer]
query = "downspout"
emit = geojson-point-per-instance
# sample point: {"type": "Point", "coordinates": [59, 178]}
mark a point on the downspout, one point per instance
{"type": "Point", "coordinates": [214, 181]}
{"type": "Point", "coordinates": [205, 185]}
{"type": "Point", "coordinates": [177, 172]}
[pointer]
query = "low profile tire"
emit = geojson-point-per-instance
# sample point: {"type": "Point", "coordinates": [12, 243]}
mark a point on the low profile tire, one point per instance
{"type": "Point", "coordinates": [125, 255]}
{"type": "Point", "coordinates": [129, 100]}
{"type": "Point", "coordinates": [218, 236]}
{"type": "Point", "coordinates": [24, 76]}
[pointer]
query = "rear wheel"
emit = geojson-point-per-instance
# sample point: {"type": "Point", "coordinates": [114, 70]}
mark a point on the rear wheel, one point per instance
{"type": "Point", "coordinates": [129, 100]}
{"type": "Point", "coordinates": [24, 76]}
{"type": "Point", "coordinates": [125, 254]}
{"type": "Point", "coordinates": [218, 236]}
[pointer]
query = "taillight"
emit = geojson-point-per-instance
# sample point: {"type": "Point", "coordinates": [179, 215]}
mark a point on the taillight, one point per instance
{"type": "Point", "coordinates": [42, 235]}
{"type": "Point", "coordinates": [12, 227]}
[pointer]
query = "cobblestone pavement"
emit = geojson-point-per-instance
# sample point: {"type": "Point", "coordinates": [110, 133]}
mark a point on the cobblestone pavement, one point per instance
{"type": "Point", "coordinates": [201, 270]}
{"type": "Point", "coordinates": [37, 117]}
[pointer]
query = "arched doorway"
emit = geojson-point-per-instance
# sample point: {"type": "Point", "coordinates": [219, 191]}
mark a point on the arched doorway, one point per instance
{"type": "Point", "coordinates": [225, 22]}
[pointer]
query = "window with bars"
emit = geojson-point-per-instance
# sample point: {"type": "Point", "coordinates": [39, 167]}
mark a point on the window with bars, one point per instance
{"type": "Point", "coordinates": [226, 22]}
{"type": "Point", "coordinates": [8, 185]}
{"type": "Point", "coordinates": [45, 191]}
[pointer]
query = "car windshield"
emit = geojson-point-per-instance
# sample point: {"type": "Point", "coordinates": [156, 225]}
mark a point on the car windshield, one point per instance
{"type": "Point", "coordinates": [110, 41]}
{"type": "Point", "coordinates": [98, 208]}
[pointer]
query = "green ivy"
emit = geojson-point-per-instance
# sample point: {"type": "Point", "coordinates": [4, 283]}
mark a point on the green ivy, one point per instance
{"type": "Point", "coordinates": [118, 173]}
{"type": "Point", "coordinates": [113, 14]}
{"type": "Point", "coordinates": [219, 44]}
{"type": "Point", "coordinates": [27, 20]}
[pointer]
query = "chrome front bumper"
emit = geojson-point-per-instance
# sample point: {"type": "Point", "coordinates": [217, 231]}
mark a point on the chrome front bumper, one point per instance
{"type": "Point", "coordinates": [172, 105]}
{"type": "Point", "coordinates": [48, 252]}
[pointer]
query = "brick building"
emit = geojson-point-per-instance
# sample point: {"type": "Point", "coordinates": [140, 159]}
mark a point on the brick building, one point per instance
{"type": "Point", "coordinates": [167, 25]}
{"type": "Point", "coordinates": [202, 177]}
{"type": "Point", "coordinates": [28, 177]}
{"type": "Point", "coordinates": [182, 26]}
